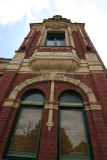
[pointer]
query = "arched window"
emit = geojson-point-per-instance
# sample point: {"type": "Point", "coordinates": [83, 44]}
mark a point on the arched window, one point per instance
{"type": "Point", "coordinates": [34, 96]}
{"type": "Point", "coordinates": [70, 97]}
{"type": "Point", "coordinates": [73, 139]}
{"type": "Point", "coordinates": [26, 134]}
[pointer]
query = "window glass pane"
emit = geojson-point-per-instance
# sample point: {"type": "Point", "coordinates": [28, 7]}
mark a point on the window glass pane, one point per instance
{"type": "Point", "coordinates": [50, 42]}
{"type": "Point", "coordinates": [55, 39]}
{"type": "Point", "coordinates": [70, 98]}
{"type": "Point", "coordinates": [34, 97]}
{"type": "Point", "coordinates": [60, 42]}
{"type": "Point", "coordinates": [27, 132]}
{"type": "Point", "coordinates": [73, 141]}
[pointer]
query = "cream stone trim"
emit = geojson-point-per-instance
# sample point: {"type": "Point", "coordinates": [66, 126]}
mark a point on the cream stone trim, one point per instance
{"type": "Point", "coordinates": [99, 72]}
{"type": "Point", "coordinates": [41, 36]}
{"type": "Point", "coordinates": [71, 104]}
{"type": "Point", "coordinates": [52, 90]}
{"type": "Point", "coordinates": [54, 61]}
{"type": "Point", "coordinates": [92, 102]}
{"type": "Point", "coordinates": [15, 103]}
{"type": "Point", "coordinates": [95, 107]}
{"type": "Point", "coordinates": [55, 77]}
{"type": "Point", "coordinates": [71, 37]}
{"type": "Point", "coordinates": [54, 30]}
{"type": "Point", "coordinates": [55, 104]}
{"type": "Point", "coordinates": [96, 68]}
{"type": "Point", "coordinates": [8, 102]}
{"type": "Point", "coordinates": [83, 37]}
{"type": "Point", "coordinates": [16, 62]}
{"type": "Point", "coordinates": [31, 33]}
{"type": "Point", "coordinates": [50, 116]}
{"type": "Point", "coordinates": [51, 105]}
{"type": "Point", "coordinates": [27, 38]}
{"type": "Point", "coordinates": [67, 40]}
{"type": "Point", "coordinates": [88, 106]}
{"type": "Point", "coordinates": [82, 69]}
{"type": "Point", "coordinates": [93, 63]}
{"type": "Point", "coordinates": [19, 57]}
{"type": "Point", "coordinates": [11, 103]}
{"type": "Point", "coordinates": [32, 102]}
{"type": "Point", "coordinates": [63, 78]}
{"type": "Point", "coordinates": [91, 57]}
{"type": "Point", "coordinates": [92, 106]}
{"type": "Point", "coordinates": [55, 23]}
{"type": "Point", "coordinates": [13, 67]}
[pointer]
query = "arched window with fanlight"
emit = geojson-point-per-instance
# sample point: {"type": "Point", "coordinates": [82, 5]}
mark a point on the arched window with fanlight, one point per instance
{"type": "Point", "coordinates": [25, 138]}
{"type": "Point", "coordinates": [73, 137]}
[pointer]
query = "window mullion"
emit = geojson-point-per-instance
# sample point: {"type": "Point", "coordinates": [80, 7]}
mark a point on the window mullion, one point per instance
{"type": "Point", "coordinates": [55, 42]}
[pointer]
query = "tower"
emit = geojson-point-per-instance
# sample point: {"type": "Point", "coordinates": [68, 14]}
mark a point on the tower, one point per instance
{"type": "Point", "coordinates": [53, 96]}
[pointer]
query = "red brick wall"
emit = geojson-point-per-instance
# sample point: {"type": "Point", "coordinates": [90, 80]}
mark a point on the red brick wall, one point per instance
{"type": "Point", "coordinates": [98, 133]}
{"type": "Point", "coordinates": [31, 44]}
{"type": "Point", "coordinates": [62, 86]}
{"type": "Point", "coordinates": [19, 78]}
{"type": "Point", "coordinates": [5, 84]}
{"type": "Point", "coordinates": [97, 120]}
{"type": "Point", "coordinates": [96, 123]}
{"type": "Point", "coordinates": [100, 83]}
{"type": "Point", "coordinates": [48, 143]}
{"type": "Point", "coordinates": [43, 86]}
{"type": "Point", "coordinates": [78, 46]}
{"type": "Point", "coordinates": [6, 122]}
{"type": "Point", "coordinates": [88, 40]}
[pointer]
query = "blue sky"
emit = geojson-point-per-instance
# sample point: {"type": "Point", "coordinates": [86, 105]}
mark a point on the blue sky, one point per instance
{"type": "Point", "coordinates": [15, 17]}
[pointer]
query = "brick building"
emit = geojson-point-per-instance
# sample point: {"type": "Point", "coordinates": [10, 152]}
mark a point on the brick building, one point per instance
{"type": "Point", "coordinates": [53, 96]}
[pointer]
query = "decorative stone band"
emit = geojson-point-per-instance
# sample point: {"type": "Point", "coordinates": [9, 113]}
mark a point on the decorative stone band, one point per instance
{"type": "Point", "coordinates": [54, 62]}
{"type": "Point", "coordinates": [52, 104]}
{"type": "Point", "coordinates": [12, 100]}
{"type": "Point", "coordinates": [55, 77]}
{"type": "Point", "coordinates": [92, 106]}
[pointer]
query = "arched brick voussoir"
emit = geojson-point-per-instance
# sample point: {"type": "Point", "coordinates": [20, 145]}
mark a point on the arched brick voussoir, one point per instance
{"type": "Point", "coordinates": [90, 95]}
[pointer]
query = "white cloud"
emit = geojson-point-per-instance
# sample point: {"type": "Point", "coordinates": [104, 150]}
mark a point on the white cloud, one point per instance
{"type": "Point", "coordinates": [12, 10]}
{"type": "Point", "coordinates": [94, 15]}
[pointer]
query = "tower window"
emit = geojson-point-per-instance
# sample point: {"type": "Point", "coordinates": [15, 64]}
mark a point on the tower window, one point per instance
{"type": "Point", "coordinates": [55, 39]}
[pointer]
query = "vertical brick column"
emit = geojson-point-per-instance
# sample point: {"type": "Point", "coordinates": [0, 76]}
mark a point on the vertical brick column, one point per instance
{"type": "Point", "coordinates": [100, 82]}
{"type": "Point", "coordinates": [93, 136]}
{"type": "Point", "coordinates": [5, 84]}
{"type": "Point", "coordinates": [6, 122]}
{"type": "Point", "coordinates": [48, 143]}
{"type": "Point", "coordinates": [101, 129]}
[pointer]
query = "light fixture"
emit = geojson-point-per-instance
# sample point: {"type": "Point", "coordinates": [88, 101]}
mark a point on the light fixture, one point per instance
{"type": "Point", "coordinates": [23, 47]}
